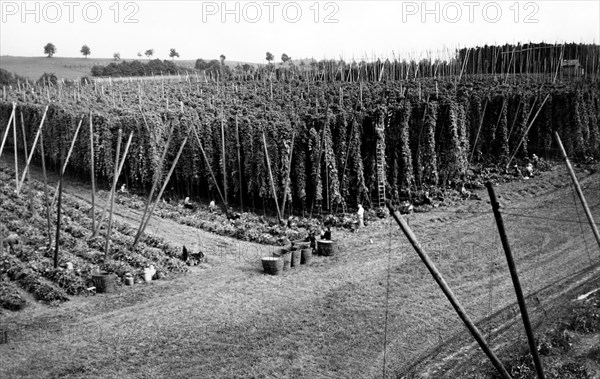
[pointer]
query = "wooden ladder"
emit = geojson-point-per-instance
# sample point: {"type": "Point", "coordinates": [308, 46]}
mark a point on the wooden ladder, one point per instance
{"type": "Point", "coordinates": [380, 150]}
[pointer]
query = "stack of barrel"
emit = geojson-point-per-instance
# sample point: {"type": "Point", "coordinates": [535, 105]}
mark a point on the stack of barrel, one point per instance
{"type": "Point", "coordinates": [293, 256]}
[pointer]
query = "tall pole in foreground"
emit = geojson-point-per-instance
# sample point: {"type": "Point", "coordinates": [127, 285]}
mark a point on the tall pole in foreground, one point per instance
{"type": "Point", "coordinates": [515, 279]}
{"type": "Point", "coordinates": [437, 276]}
{"type": "Point", "coordinates": [58, 215]}
{"type": "Point", "coordinates": [588, 213]}
{"type": "Point", "coordinates": [271, 176]}
{"type": "Point", "coordinates": [112, 196]}
{"type": "Point", "coordinates": [46, 202]}
{"type": "Point", "coordinates": [16, 153]}
{"type": "Point", "coordinates": [92, 173]}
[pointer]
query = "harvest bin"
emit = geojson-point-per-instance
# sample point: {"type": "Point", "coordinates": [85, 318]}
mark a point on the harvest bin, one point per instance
{"type": "Point", "coordinates": [296, 257]}
{"type": "Point", "coordinates": [325, 247]}
{"type": "Point", "coordinates": [104, 282]}
{"type": "Point", "coordinates": [272, 265]}
{"type": "Point", "coordinates": [306, 256]}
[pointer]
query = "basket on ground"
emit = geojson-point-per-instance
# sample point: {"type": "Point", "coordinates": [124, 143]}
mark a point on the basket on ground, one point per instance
{"type": "Point", "coordinates": [272, 265]}
{"type": "Point", "coordinates": [306, 256]}
{"type": "Point", "coordinates": [104, 282]}
{"type": "Point", "coordinates": [287, 261]}
{"type": "Point", "coordinates": [326, 248]}
{"type": "Point", "coordinates": [296, 258]}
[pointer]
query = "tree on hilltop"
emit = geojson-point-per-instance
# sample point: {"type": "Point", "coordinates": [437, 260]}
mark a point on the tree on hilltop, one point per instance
{"type": "Point", "coordinates": [269, 57]}
{"type": "Point", "coordinates": [173, 54]}
{"type": "Point", "coordinates": [50, 49]}
{"type": "Point", "coordinates": [85, 50]}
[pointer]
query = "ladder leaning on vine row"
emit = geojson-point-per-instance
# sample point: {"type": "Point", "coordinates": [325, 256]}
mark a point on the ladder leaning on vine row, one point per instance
{"type": "Point", "coordinates": [380, 153]}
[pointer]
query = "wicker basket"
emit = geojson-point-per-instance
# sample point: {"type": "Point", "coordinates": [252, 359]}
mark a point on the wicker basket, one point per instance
{"type": "Point", "coordinates": [296, 258]}
{"type": "Point", "coordinates": [306, 256]}
{"type": "Point", "coordinates": [104, 282]}
{"type": "Point", "coordinates": [326, 248]}
{"type": "Point", "coordinates": [287, 261]}
{"type": "Point", "coordinates": [272, 265]}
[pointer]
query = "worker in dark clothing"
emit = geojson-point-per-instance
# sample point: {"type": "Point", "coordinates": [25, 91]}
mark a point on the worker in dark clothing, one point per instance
{"type": "Point", "coordinates": [327, 235]}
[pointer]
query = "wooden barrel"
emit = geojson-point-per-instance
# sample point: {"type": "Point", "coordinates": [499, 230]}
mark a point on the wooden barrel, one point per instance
{"type": "Point", "coordinates": [296, 258]}
{"type": "Point", "coordinates": [104, 282]}
{"type": "Point", "coordinates": [287, 261]}
{"type": "Point", "coordinates": [325, 247]}
{"type": "Point", "coordinates": [272, 265]}
{"type": "Point", "coordinates": [306, 256]}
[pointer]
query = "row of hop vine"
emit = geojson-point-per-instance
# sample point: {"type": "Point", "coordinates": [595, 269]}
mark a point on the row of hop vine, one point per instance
{"type": "Point", "coordinates": [429, 140]}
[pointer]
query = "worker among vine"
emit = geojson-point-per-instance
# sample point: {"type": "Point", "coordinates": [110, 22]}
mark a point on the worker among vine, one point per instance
{"type": "Point", "coordinates": [361, 215]}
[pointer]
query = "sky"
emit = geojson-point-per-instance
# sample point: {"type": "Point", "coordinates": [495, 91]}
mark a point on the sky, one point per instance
{"type": "Point", "coordinates": [246, 30]}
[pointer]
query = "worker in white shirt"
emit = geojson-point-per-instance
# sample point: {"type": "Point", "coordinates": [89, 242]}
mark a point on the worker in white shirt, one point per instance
{"type": "Point", "coordinates": [361, 216]}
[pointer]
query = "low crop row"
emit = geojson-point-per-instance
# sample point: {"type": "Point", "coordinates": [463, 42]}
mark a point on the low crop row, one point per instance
{"type": "Point", "coordinates": [30, 263]}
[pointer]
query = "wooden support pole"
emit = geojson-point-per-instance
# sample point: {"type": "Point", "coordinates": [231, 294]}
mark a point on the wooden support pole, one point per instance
{"type": "Point", "coordinates": [58, 219]}
{"type": "Point", "coordinates": [26, 152]}
{"type": "Point", "coordinates": [46, 199]}
{"type": "Point", "coordinates": [515, 279]}
{"type": "Point", "coordinates": [512, 127]}
{"type": "Point", "coordinates": [437, 276]}
{"type": "Point", "coordinates": [527, 130]}
{"type": "Point", "coordinates": [584, 203]}
{"type": "Point", "coordinates": [478, 131]}
{"type": "Point", "coordinates": [112, 195]}
{"type": "Point", "coordinates": [160, 193]}
{"type": "Point", "coordinates": [8, 128]}
{"type": "Point", "coordinates": [157, 179]}
{"type": "Point", "coordinates": [92, 173]}
{"type": "Point", "coordinates": [37, 136]}
{"type": "Point", "coordinates": [16, 155]}
{"type": "Point", "coordinates": [287, 177]}
{"type": "Point", "coordinates": [66, 162]}
{"type": "Point", "coordinates": [212, 174]}
{"type": "Point", "coordinates": [239, 159]}
{"type": "Point", "coordinates": [121, 163]}
{"type": "Point", "coordinates": [271, 176]}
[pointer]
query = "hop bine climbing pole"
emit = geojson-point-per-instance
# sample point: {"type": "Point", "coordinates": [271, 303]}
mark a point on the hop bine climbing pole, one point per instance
{"type": "Point", "coordinates": [437, 276]}
{"type": "Point", "coordinates": [586, 208]}
{"type": "Point", "coordinates": [516, 282]}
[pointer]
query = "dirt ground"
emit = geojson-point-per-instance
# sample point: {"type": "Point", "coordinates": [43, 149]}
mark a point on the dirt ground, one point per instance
{"type": "Point", "coordinates": [372, 310]}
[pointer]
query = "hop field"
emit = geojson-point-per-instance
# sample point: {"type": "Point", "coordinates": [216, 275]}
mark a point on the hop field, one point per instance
{"type": "Point", "coordinates": [319, 145]}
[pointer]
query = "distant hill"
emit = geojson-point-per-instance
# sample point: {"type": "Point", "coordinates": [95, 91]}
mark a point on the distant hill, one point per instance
{"type": "Point", "coordinates": [76, 68]}
{"type": "Point", "coordinates": [65, 68]}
